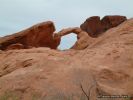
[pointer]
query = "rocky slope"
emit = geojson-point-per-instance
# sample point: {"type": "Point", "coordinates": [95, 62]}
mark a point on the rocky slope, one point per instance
{"type": "Point", "coordinates": [105, 67]}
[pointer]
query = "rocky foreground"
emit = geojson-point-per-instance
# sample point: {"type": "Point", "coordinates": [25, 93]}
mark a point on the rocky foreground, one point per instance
{"type": "Point", "coordinates": [100, 63]}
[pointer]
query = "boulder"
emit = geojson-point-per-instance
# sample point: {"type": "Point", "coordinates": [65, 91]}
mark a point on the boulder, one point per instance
{"type": "Point", "coordinates": [94, 26]}
{"type": "Point", "coordinates": [112, 21]}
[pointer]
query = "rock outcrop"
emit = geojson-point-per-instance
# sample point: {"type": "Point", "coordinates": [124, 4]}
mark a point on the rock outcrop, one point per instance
{"type": "Point", "coordinates": [82, 37]}
{"type": "Point", "coordinates": [105, 67]}
{"type": "Point", "coordinates": [15, 46]}
{"type": "Point", "coordinates": [40, 35]}
{"type": "Point", "coordinates": [94, 26]}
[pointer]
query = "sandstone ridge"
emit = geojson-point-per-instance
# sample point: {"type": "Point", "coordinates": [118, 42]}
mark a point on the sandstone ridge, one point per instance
{"type": "Point", "coordinates": [42, 34]}
{"type": "Point", "coordinates": [92, 68]}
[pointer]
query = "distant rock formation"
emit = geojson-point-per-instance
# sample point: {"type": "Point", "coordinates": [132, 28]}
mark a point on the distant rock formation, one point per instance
{"type": "Point", "coordinates": [94, 26]}
{"type": "Point", "coordinates": [40, 35]}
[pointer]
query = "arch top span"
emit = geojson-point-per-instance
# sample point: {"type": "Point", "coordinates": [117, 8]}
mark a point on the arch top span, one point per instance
{"type": "Point", "coordinates": [82, 37]}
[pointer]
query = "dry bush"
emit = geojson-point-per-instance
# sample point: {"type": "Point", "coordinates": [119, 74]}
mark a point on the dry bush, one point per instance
{"type": "Point", "coordinates": [86, 82]}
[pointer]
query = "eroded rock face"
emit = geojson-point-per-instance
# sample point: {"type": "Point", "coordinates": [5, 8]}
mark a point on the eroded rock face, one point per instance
{"type": "Point", "coordinates": [40, 35]}
{"type": "Point", "coordinates": [15, 46]}
{"type": "Point", "coordinates": [106, 65]}
{"type": "Point", "coordinates": [82, 37]}
{"type": "Point", "coordinates": [94, 26]}
{"type": "Point", "coordinates": [112, 21]}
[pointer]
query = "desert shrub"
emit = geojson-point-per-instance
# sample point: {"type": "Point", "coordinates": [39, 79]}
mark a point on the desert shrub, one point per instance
{"type": "Point", "coordinates": [86, 82]}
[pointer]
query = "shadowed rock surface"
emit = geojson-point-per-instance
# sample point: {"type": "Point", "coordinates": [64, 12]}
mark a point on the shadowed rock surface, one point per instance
{"type": "Point", "coordinates": [94, 26]}
{"type": "Point", "coordinates": [40, 35]}
{"type": "Point", "coordinates": [15, 46]}
{"type": "Point", "coordinates": [105, 67]}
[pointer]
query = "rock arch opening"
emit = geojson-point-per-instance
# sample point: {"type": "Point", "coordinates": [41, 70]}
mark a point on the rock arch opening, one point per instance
{"type": "Point", "coordinates": [67, 41]}
{"type": "Point", "coordinates": [81, 41]}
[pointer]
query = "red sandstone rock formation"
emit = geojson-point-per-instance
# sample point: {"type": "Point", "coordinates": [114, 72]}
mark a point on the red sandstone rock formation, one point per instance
{"type": "Point", "coordinates": [112, 21]}
{"type": "Point", "coordinates": [105, 67]}
{"type": "Point", "coordinates": [82, 36]}
{"type": "Point", "coordinates": [40, 35]}
{"type": "Point", "coordinates": [94, 26]}
{"type": "Point", "coordinates": [15, 46]}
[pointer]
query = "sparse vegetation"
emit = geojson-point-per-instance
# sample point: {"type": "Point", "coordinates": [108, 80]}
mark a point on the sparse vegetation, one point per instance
{"type": "Point", "coordinates": [86, 84]}
{"type": "Point", "coordinates": [130, 98]}
{"type": "Point", "coordinates": [9, 96]}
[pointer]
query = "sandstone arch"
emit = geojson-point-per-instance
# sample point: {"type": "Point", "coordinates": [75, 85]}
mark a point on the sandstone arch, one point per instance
{"type": "Point", "coordinates": [42, 35]}
{"type": "Point", "coordinates": [82, 37]}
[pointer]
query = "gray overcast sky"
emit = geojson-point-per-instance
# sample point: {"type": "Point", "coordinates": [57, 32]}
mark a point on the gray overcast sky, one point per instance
{"type": "Point", "coordinates": [16, 15]}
